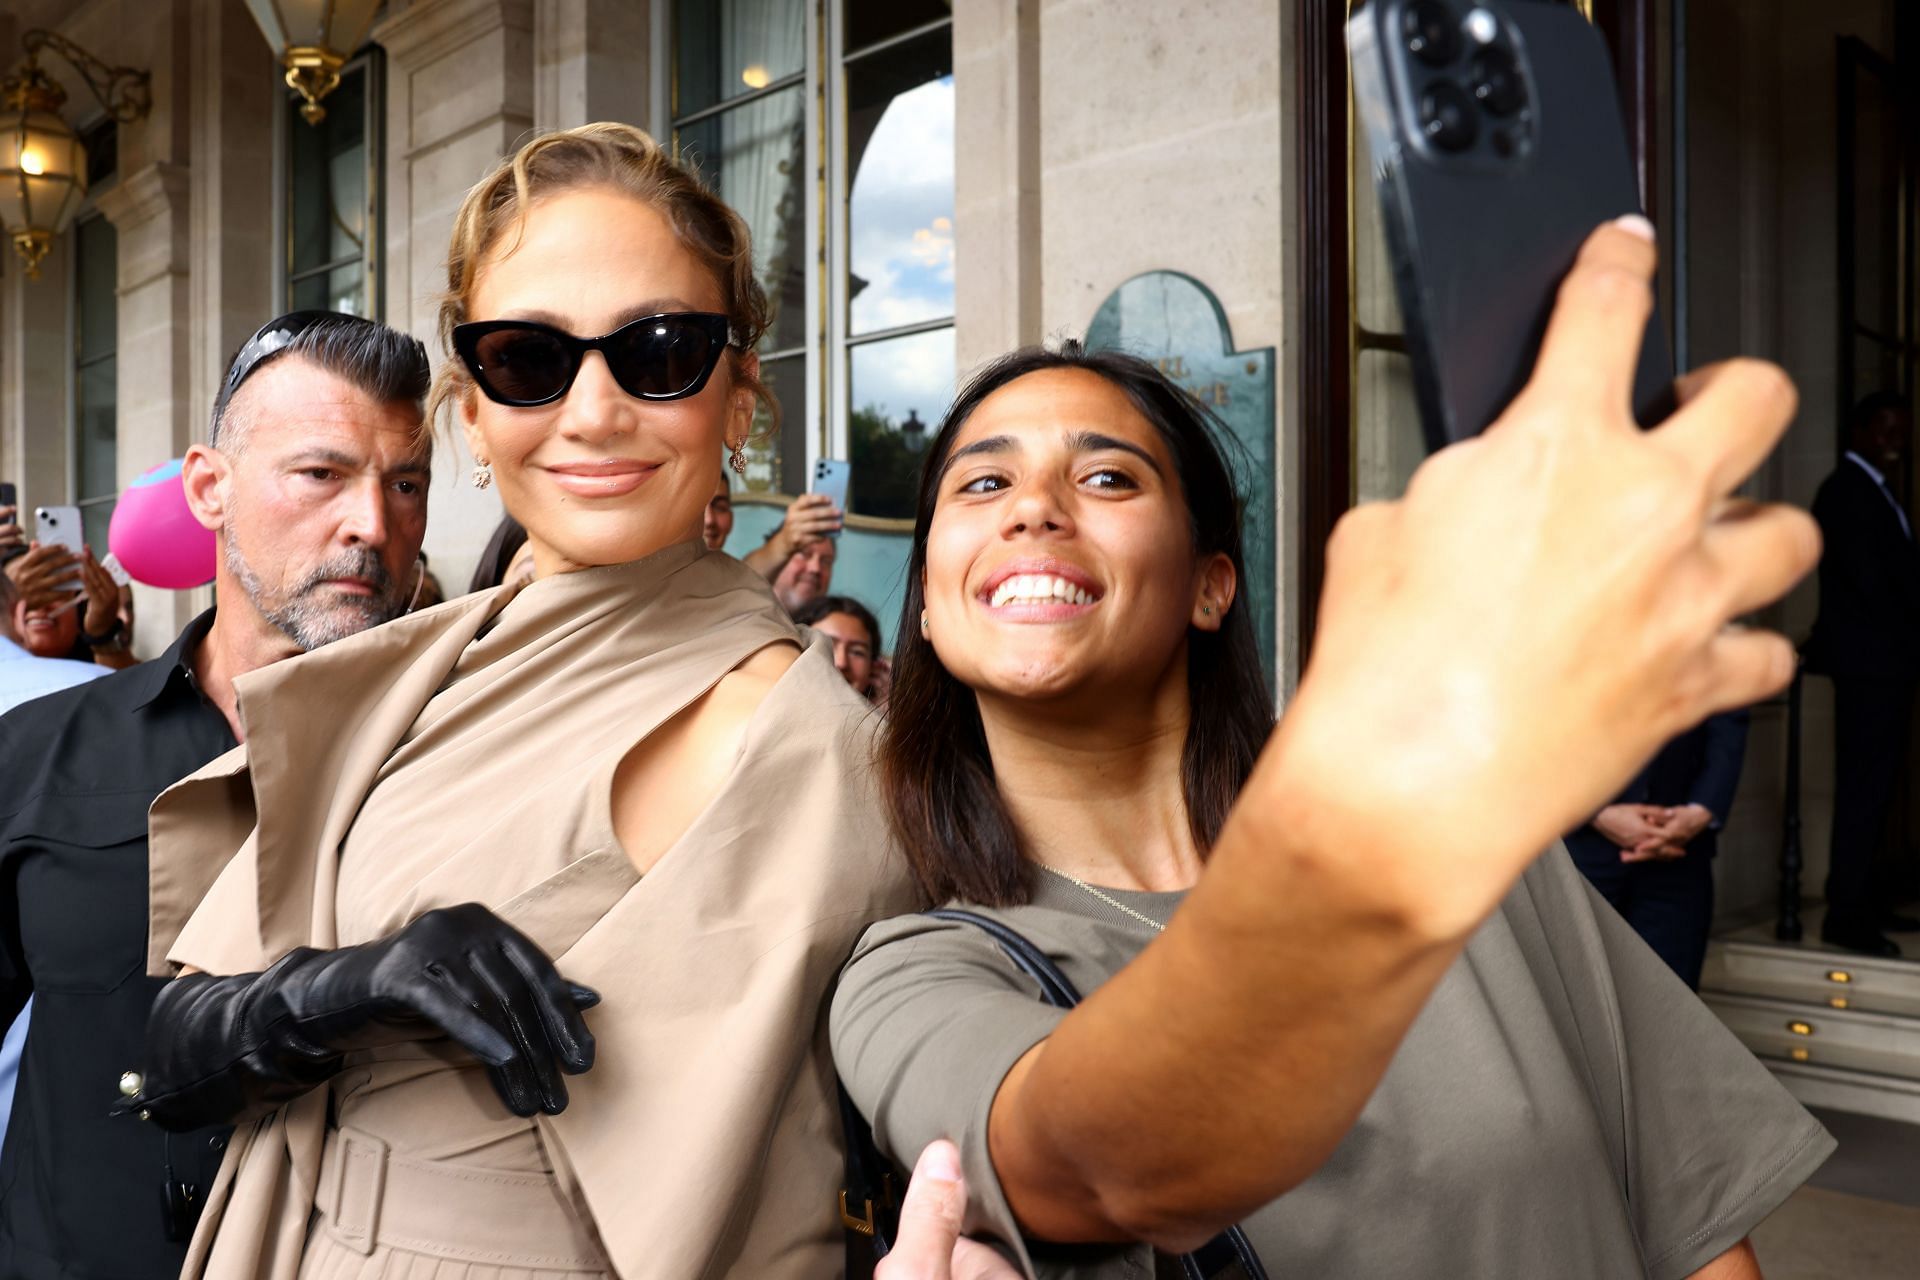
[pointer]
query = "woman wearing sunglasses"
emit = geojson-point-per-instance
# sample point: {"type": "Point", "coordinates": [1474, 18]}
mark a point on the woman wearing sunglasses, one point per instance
{"type": "Point", "coordinates": [571, 780]}
{"type": "Point", "coordinates": [1334, 992]}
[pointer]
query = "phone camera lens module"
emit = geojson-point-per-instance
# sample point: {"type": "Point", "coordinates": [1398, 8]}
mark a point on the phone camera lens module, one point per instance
{"type": "Point", "coordinates": [1447, 114]}
{"type": "Point", "coordinates": [1496, 81]}
{"type": "Point", "coordinates": [1430, 32]}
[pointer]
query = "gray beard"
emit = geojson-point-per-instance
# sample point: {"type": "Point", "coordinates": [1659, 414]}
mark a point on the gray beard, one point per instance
{"type": "Point", "coordinates": [311, 616]}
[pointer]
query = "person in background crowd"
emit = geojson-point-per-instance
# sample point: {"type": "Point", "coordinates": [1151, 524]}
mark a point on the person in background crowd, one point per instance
{"type": "Point", "coordinates": [1867, 638]}
{"type": "Point", "coordinates": [26, 675]}
{"type": "Point", "coordinates": [855, 633]}
{"type": "Point", "coordinates": [718, 522]}
{"type": "Point", "coordinates": [315, 482]}
{"type": "Point", "coordinates": [1650, 851]}
{"type": "Point", "coordinates": [807, 574]}
{"type": "Point", "coordinates": [639, 700]}
{"type": "Point", "coordinates": [498, 557]}
{"type": "Point", "coordinates": [797, 557]}
{"type": "Point", "coordinates": [70, 607]}
{"type": "Point", "coordinates": [1335, 991]}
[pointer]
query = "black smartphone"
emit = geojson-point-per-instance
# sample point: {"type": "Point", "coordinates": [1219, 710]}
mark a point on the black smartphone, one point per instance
{"type": "Point", "coordinates": [1498, 147]}
{"type": "Point", "coordinates": [9, 496]}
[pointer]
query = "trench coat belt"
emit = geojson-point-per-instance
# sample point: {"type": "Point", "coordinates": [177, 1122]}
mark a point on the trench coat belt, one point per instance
{"type": "Point", "coordinates": [371, 1195]}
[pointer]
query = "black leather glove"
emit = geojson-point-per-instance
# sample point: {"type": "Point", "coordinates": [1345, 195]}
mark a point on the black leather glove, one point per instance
{"type": "Point", "coordinates": [221, 1049]}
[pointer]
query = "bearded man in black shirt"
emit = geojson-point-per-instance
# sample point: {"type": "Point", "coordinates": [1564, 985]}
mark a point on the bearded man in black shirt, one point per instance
{"type": "Point", "coordinates": [314, 480]}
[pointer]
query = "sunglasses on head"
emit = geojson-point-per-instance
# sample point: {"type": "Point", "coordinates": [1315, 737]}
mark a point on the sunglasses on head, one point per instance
{"type": "Point", "coordinates": [523, 362]}
{"type": "Point", "coordinates": [268, 340]}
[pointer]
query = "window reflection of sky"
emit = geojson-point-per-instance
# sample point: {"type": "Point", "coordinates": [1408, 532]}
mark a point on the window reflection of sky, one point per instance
{"type": "Point", "coordinates": [901, 374]}
{"type": "Point", "coordinates": [901, 254]}
{"type": "Point", "coordinates": [901, 209]}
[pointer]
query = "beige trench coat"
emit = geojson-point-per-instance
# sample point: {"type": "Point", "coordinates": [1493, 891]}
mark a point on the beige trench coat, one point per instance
{"type": "Point", "coordinates": [704, 1142]}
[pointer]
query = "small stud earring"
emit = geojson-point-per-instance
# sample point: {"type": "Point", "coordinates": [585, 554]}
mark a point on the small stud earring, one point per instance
{"type": "Point", "coordinates": [737, 459]}
{"type": "Point", "coordinates": [483, 476]}
{"type": "Point", "coordinates": [1207, 610]}
{"type": "Point", "coordinates": [923, 622]}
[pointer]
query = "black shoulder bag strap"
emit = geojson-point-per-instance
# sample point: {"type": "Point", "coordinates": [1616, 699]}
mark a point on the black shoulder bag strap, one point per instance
{"type": "Point", "coordinates": [874, 1186]}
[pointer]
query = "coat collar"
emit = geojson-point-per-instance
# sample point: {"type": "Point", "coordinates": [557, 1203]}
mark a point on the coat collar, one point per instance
{"type": "Point", "coordinates": [318, 729]}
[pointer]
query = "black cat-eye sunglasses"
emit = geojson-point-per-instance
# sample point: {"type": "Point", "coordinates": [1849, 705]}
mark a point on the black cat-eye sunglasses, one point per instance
{"type": "Point", "coordinates": [523, 362]}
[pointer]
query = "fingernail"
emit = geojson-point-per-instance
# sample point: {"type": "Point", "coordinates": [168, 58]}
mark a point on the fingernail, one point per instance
{"type": "Point", "coordinates": [941, 1162]}
{"type": "Point", "coordinates": [1636, 224]}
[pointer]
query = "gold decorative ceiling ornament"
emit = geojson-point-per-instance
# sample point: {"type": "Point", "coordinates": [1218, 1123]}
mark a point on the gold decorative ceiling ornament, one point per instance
{"type": "Point", "coordinates": [43, 163]}
{"type": "Point", "coordinates": [313, 39]}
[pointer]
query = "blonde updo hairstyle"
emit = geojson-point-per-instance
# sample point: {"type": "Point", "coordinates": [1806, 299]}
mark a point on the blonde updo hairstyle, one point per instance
{"type": "Point", "coordinates": [615, 157]}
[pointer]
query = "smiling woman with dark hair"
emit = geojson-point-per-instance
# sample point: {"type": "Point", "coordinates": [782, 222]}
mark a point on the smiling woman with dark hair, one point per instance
{"type": "Point", "coordinates": [1336, 995]}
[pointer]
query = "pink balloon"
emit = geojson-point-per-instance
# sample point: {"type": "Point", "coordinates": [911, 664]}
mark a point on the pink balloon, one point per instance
{"type": "Point", "coordinates": [154, 535]}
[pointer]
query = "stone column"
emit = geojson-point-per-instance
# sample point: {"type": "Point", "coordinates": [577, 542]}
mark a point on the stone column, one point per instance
{"type": "Point", "coordinates": [36, 388]}
{"type": "Point", "coordinates": [233, 242]}
{"type": "Point", "coordinates": [591, 62]}
{"type": "Point", "coordinates": [149, 209]}
{"type": "Point", "coordinates": [996, 143]}
{"type": "Point", "coordinates": [460, 95]}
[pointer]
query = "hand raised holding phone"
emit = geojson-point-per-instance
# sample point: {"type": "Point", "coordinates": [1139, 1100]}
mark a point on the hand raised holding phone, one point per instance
{"type": "Point", "coordinates": [1547, 605]}
{"type": "Point", "coordinates": [46, 576]}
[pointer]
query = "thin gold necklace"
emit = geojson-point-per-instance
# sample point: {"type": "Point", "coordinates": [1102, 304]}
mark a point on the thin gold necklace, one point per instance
{"type": "Point", "coordinates": [1111, 901]}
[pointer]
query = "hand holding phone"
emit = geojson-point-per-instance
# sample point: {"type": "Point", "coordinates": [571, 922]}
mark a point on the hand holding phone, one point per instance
{"type": "Point", "coordinates": [1507, 638]}
{"type": "Point", "coordinates": [12, 537]}
{"type": "Point", "coordinates": [831, 479]}
{"type": "Point", "coordinates": [46, 577]}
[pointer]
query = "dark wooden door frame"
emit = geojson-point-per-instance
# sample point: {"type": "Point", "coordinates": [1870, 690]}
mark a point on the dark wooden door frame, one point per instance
{"type": "Point", "coordinates": [1321, 120]}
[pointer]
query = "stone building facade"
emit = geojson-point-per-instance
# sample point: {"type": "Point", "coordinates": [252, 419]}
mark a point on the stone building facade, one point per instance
{"type": "Point", "coordinates": [1051, 151]}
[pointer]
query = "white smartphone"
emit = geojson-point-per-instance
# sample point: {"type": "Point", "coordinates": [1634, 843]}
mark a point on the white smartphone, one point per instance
{"type": "Point", "coordinates": [59, 526]}
{"type": "Point", "coordinates": [832, 476]}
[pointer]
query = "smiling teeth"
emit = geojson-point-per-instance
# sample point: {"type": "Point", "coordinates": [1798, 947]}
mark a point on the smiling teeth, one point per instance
{"type": "Point", "coordinates": [1039, 588]}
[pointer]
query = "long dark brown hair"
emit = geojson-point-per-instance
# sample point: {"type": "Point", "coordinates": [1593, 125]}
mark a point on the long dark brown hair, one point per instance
{"type": "Point", "coordinates": [935, 770]}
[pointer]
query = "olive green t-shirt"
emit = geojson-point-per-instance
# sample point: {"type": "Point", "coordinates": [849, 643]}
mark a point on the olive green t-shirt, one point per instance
{"type": "Point", "coordinates": [1562, 1106]}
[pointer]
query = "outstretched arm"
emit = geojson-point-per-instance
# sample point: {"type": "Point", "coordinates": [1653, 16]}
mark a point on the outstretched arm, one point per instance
{"type": "Point", "coordinates": [1457, 679]}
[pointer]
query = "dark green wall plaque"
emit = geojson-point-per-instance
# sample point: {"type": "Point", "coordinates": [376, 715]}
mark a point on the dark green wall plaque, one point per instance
{"type": "Point", "coordinates": [1175, 321]}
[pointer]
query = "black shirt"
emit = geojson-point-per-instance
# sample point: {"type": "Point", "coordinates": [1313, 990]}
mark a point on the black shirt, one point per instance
{"type": "Point", "coordinates": [81, 1190]}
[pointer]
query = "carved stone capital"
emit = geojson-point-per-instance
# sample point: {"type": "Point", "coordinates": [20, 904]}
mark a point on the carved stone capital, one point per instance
{"type": "Point", "coordinates": [138, 197]}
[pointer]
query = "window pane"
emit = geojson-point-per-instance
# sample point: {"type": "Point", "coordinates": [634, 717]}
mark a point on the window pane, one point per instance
{"type": "Point", "coordinates": [96, 281]}
{"type": "Point", "coordinates": [94, 523]}
{"type": "Point", "coordinates": [901, 389]}
{"type": "Point", "coordinates": [103, 152]}
{"type": "Point", "coordinates": [900, 202]}
{"type": "Point", "coordinates": [327, 164]}
{"type": "Point", "coordinates": [342, 289]}
{"type": "Point", "coordinates": [724, 48]}
{"type": "Point", "coordinates": [778, 463]}
{"type": "Point", "coordinates": [94, 416]}
{"type": "Point", "coordinates": [869, 21]}
{"type": "Point", "coordinates": [753, 157]}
